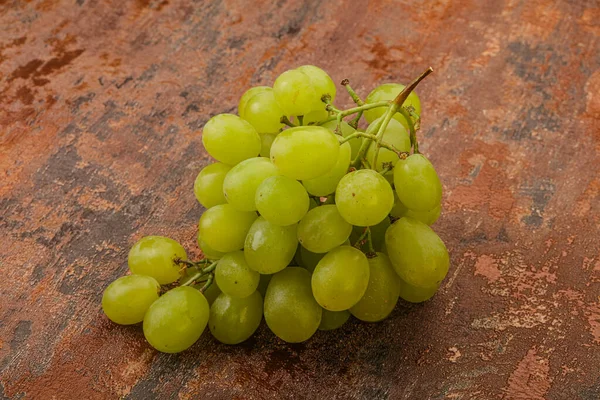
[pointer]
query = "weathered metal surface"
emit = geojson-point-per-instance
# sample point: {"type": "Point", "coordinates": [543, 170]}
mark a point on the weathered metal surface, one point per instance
{"type": "Point", "coordinates": [100, 108]}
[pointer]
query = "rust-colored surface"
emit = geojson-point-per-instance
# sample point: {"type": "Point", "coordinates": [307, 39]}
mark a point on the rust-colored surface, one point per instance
{"type": "Point", "coordinates": [100, 108]}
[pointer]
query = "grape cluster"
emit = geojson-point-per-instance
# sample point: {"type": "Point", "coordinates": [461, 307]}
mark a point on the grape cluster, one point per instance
{"type": "Point", "coordinates": [308, 220]}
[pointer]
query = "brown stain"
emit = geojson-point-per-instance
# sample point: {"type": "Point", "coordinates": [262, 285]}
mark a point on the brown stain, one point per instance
{"type": "Point", "coordinates": [24, 95]}
{"type": "Point", "coordinates": [27, 70]}
{"type": "Point", "coordinates": [530, 380]}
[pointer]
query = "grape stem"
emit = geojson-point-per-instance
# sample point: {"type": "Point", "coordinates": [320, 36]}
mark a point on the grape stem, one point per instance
{"type": "Point", "coordinates": [357, 100]}
{"type": "Point", "coordinates": [286, 121]}
{"type": "Point", "coordinates": [300, 120]}
{"type": "Point", "coordinates": [209, 282]}
{"type": "Point", "coordinates": [200, 274]}
{"type": "Point", "coordinates": [411, 128]}
{"type": "Point", "coordinates": [365, 238]}
{"type": "Point", "coordinates": [371, 137]}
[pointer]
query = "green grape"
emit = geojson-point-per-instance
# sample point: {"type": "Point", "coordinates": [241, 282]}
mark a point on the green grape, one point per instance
{"type": "Point", "coordinates": [322, 229]}
{"type": "Point", "coordinates": [290, 309]}
{"type": "Point", "coordinates": [331, 320]}
{"type": "Point", "coordinates": [315, 116]}
{"type": "Point", "coordinates": [382, 293]}
{"type": "Point", "coordinates": [155, 256]}
{"type": "Point", "coordinates": [263, 284]}
{"type": "Point", "coordinates": [377, 234]}
{"type": "Point", "coordinates": [364, 197]}
{"type": "Point", "coordinates": [396, 135]}
{"type": "Point", "coordinates": [270, 248]}
{"type": "Point", "coordinates": [208, 251]}
{"type": "Point", "coordinates": [176, 320]}
{"type": "Point", "coordinates": [266, 141]}
{"type": "Point", "coordinates": [233, 320]}
{"type": "Point", "coordinates": [250, 93]}
{"type": "Point", "coordinates": [224, 229]}
{"type": "Point", "coordinates": [234, 277]}
{"type": "Point", "coordinates": [299, 91]}
{"type": "Point", "coordinates": [389, 91]}
{"type": "Point", "coordinates": [417, 184]}
{"type": "Point", "coordinates": [414, 294]}
{"type": "Point", "coordinates": [263, 112]}
{"type": "Point", "coordinates": [208, 186]}
{"type": "Point", "coordinates": [281, 200]}
{"type": "Point", "coordinates": [309, 260]}
{"type": "Point", "coordinates": [347, 130]}
{"type": "Point", "coordinates": [126, 300]}
{"type": "Point", "coordinates": [321, 82]}
{"type": "Point", "coordinates": [341, 278]}
{"type": "Point", "coordinates": [211, 293]}
{"type": "Point", "coordinates": [418, 255]}
{"type": "Point", "coordinates": [427, 217]}
{"type": "Point", "coordinates": [230, 139]}
{"type": "Point", "coordinates": [241, 182]}
{"type": "Point", "coordinates": [305, 152]}
{"type": "Point", "coordinates": [325, 184]}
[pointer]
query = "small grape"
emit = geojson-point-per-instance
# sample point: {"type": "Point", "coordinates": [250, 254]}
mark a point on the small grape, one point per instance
{"type": "Point", "coordinates": [427, 217]}
{"type": "Point", "coordinates": [270, 248]}
{"type": "Point", "coordinates": [266, 141]}
{"type": "Point", "coordinates": [208, 251]}
{"type": "Point", "coordinates": [176, 320]}
{"type": "Point", "coordinates": [233, 320]}
{"type": "Point", "coordinates": [417, 184]}
{"type": "Point", "coordinates": [126, 300]}
{"type": "Point", "coordinates": [281, 200]}
{"type": "Point", "coordinates": [155, 256]}
{"type": "Point", "coordinates": [299, 91]}
{"type": "Point", "coordinates": [341, 278]}
{"type": "Point", "coordinates": [347, 130]}
{"type": "Point", "coordinates": [396, 135]}
{"type": "Point", "coordinates": [331, 320]}
{"type": "Point", "coordinates": [305, 152]}
{"type": "Point", "coordinates": [418, 255]}
{"type": "Point", "coordinates": [248, 94]}
{"type": "Point", "coordinates": [321, 82]}
{"type": "Point", "coordinates": [389, 91]}
{"type": "Point", "coordinates": [322, 229]}
{"type": "Point", "coordinates": [325, 184]}
{"type": "Point", "coordinates": [234, 277]}
{"type": "Point", "coordinates": [290, 309]}
{"type": "Point", "coordinates": [414, 294]}
{"type": "Point", "coordinates": [262, 112]}
{"type": "Point", "coordinates": [230, 139]}
{"type": "Point", "coordinates": [224, 228]}
{"type": "Point", "coordinates": [241, 182]}
{"type": "Point", "coordinates": [364, 197]}
{"type": "Point", "coordinates": [208, 186]}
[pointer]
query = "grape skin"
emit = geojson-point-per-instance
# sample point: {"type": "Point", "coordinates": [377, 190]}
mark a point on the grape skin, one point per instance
{"type": "Point", "coordinates": [417, 184]}
{"type": "Point", "coordinates": [269, 248]}
{"type": "Point", "coordinates": [224, 228]}
{"type": "Point", "coordinates": [230, 139]}
{"type": "Point", "coordinates": [233, 320]}
{"type": "Point", "coordinates": [208, 186]}
{"type": "Point", "coordinates": [126, 300]}
{"type": "Point", "coordinates": [323, 229]}
{"type": "Point", "coordinates": [234, 276]}
{"type": "Point", "coordinates": [331, 320]}
{"type": "Point", "coordinates": [155, 256]}
{"type": "Point", "coordinates": [281, 200]}
{"type": "Point", "coordinates": [241, 182]}
{"type": "Point", "coordinates": [326, 184]}
{"type": "Point", "coordinates": [389, 91]}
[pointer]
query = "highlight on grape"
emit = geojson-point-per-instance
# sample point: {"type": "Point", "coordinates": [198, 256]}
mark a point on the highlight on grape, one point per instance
{"type": "Point", "coordinates": [309, 220]}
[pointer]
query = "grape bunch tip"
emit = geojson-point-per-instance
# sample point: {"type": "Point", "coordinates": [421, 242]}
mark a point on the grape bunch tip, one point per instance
{"type": "Point", "coordinates": [309, 220]}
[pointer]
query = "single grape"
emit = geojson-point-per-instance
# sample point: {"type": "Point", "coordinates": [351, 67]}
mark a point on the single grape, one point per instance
{"type": "Point", "coordinates": [414, 294]}
{"type": "Point", "coordinates": [305, 152]}
{"type": "Point", "coordinates": [389, 91]}
{"type": "Point", "coordinates": [224, 228]}
{"type": "Point", "coordinates": [417, 184]}
{"type": "Point", "coordinates": [281, 200]}
{"type": "Point", "coordinates": [427, 217]}
{"type": "Point", "coordinates": [322, 229]}
{"type": "Point", "coordinates": [341, 278]}
{"type": "Point", "coordinates": [377, 234]}
{"type": "Point", "coordinates": [347, 130]}
{"type": "Point", "coordinates": [396, 135]}
{"type": "Point", "coordinates": [325, 184]}
{"type": "Point", "coordinates": [266, 141]}
{"type": "Point", "coordinates": [382, 293]}
{"type": "Point", "coordinates": [331, 320]}
{"type": "Point", "coordinates": [316, 116]}
{"type": "Point", "coordinates": [241, 182]}
{"type": "Point", "coordinates": [418, 255]}
{"type": "Point", "coordinates": [263, 112]}
{"type": "Point", "coordinates": [294, 92]}
{"type": "Point", "coordinates": [290, 309]}
{"type": "Point", "coordinates": [155, 256]}
{"type": "Point", "coordinates": [248, 94]}
{"type": "Point", "coordinates": [263, 284]}
{"type": "Point", "coordinates": [234, 277]}
{"type": "Point", "coordinates": [208, 186]}
{"type": "Point", "coordinates": [270, 248]}
{"type": "Point", "coordinates": [208, 251]}
{"type": "Point", "coordinates": [321, 83]}
{"type": "Point", "coordinates": [126, 300]}
{"type": "Point", "coordinates": [176, 320]}
{"type": "Point", "coordinates": [233, 320]}
{"type": "Point", "coordinates": [230, 139]}
{"type": "Point", "coordinates": [364, 197]}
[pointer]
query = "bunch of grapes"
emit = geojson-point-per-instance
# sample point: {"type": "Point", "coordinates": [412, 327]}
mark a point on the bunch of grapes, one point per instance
{"type": "Point", "coordinates": [308, 220]}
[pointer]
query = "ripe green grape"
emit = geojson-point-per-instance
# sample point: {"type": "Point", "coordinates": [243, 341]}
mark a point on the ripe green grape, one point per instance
{"type": "Point", "coordinates": [326, 184]}
{"type": "Point", "coordinates": [155, 256]}
{"type": "Point", "coordinates": [270, 248]}
{"type": "Point", "coordinates": [414, 294]}
{"type": "Point", "coordinates": [377, 234]}
{"type": "Point", "coordinates": [126, 299]}
{"type": "Point", "coordinates": [364, 197]}
{"type": "Point", "coordinates": [233, 320]}
{"type": "Point", "coordinates": [230, 139]}
{"type": "Point", "coordinates": [211, 293]}
{"type": "Point", "coordinates": [224, 229]}
{"type": "Point", "coordinates": [427, 217]}
{"type": "Point", "coordinates": [417, 253]}
{"type": "Point", "coordinates": [176, 320]}
{"type": "Point", "coordinates": [389, 91]}
{"type": "Point", "coordinates": [263, 284]}
{"type": "Point", "coordinates": [322, 229]}
{"type": "Point", "coordinates": [241, 182]}
{"type": "Point", "coordinates": [281, 200]}
{"type": "Point", "coordinates": [382, 293]}
{"type": "Point", "coordinates": [248, 94]}
{"type": "Point", "coordinates": [208, 186]}
{"type": "Point", "coordinates": [305, 152]}
{"type": "Point", "coordinates": [315, 116]}
{"type": "Point", "coordinates": [341, 278]}
{"type": "Point", "coordinates": [299, 91]}
{"type": "Point", "coordinates": [417, 184]}
{"type": "Point", "coordinates": [290, 309]}
{"type": "Point", "coordinates": [262, 112]}
{"type": "Point", "coordinates": [266, 141]}
{"type": "Point", "coordinates": [208, 251]}
{"type": "Point", "coordinates": [347, 130]}
{"type": "Point", "coordinates": [321, 82]}
{"type": "Point", "coordinates": [234, 277]}
{"type": "Point", "coordinates": [396, 135]}
{"type": "Point", "coordinates": [331, 320]}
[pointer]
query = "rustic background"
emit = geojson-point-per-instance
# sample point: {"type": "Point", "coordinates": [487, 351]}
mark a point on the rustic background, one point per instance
{"type": "Point", "coordinates": [101, 106]}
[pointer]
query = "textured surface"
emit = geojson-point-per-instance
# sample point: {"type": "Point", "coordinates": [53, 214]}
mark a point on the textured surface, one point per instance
{"type": "Point", "coordinates": [101, 103]}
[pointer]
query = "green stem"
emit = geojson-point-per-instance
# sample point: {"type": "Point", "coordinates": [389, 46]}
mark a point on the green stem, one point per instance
{"type": "Point", "coordinates": [300, 119]}
{"type": "Point", "coordinates": [209, 282]}
{"type": "Point", "coordinates": [370, 137]}
{"type": "Point", "coordinates": [360, 241]}
{"type": "Point", "coordinates": [411, 128]}
{"type": "Point", "coordinates": [355, 120]}
{"type": "Point", "coordinates": [199, 274]}
{"type": "Point", "coordinates": [352, 93]}
{"type": "Point", "coordinates": [363, 149]}
{"type": "Point", "coordinates": [286, 121]}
